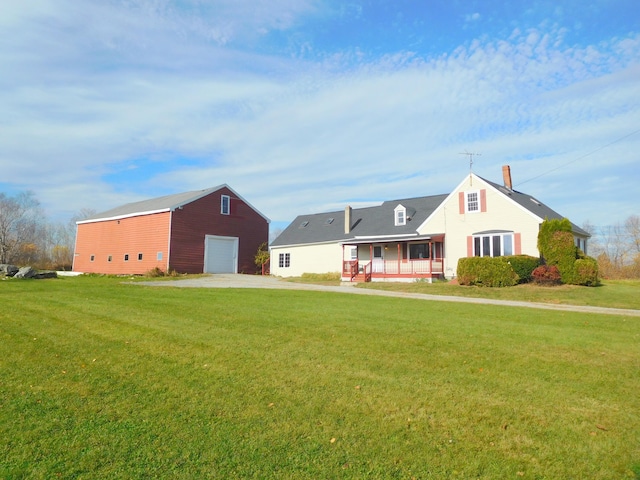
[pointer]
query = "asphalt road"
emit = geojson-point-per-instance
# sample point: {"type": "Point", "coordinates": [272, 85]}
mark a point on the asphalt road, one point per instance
{"type": "Point", "coordinates": [257, 281]}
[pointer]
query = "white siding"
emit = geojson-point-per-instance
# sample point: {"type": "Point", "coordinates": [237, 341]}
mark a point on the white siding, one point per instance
{"type": "Point", "coordinates": [501, 214]}
{"type": "Point", "coordinates": [324, 258]}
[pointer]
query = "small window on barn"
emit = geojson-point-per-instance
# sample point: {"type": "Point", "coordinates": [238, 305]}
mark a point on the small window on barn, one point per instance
{"type": "Point", "coordinates": [159, 256]}
{"type": "Point", "coordinates": [139, 256]}
{"type": "Point", "coordinates": [225, 204]}
{"type": "Point", "coordinates": [109, 258]}
{"type": "Point", "coordinates": [92, 258]}
{"type": "Point", "coordinates": [126, 257]}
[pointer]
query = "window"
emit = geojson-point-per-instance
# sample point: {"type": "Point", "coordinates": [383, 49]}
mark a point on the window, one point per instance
{"type": "Point", "coordinates": [284, 260]}
{"type": "Point", "coordinates": [126, 257]}
{"type": "Point", "coordinates": [92, 258]}
{"type": "Point", "coordinates": [159, 256]}
{"type": "Point", "coordinates": [400, 214]}
{"type": "Point", "coordinates": [419, 250]}
{"type": "Point", "coordinates": [353, 253]}
{"type": "Point", "coordinates": [473, 203]}
{"type": "Point", "coordinates": [225, 204]}
{"type": "Point", "coordinates": [493, 245]}
{"type": "Point", "coordinates": [139, 256]}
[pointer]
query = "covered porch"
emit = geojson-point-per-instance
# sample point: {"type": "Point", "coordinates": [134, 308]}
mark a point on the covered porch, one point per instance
{"type": "Point", "coordinates": [400, 259]}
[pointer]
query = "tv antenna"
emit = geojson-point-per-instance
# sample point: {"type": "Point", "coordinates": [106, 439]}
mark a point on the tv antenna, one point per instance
{"type": "Point", "coordinates": [470, 155]}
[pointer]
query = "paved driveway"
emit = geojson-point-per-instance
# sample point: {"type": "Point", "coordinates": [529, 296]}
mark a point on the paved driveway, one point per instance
{"type": "Point", "coordinates": [257, 281]}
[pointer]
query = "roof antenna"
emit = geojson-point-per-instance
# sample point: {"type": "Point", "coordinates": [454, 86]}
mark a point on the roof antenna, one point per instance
{"type": "Point", "coordinates": [470, 155]}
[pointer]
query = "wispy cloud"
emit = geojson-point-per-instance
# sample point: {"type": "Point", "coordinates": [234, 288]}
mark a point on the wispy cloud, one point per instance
{"type": "Point", "coordinates": [120, 101]}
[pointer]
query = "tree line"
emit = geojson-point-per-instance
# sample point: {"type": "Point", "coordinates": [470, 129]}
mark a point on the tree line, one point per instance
{"type": "Point", "coordinates": [616, 247]}
{"type": "Point", "coordinates": [27, 237]}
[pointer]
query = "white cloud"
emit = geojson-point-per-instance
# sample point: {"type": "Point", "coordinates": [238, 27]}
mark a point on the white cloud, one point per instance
{"type": "Point", "coordinates": [124, 81]}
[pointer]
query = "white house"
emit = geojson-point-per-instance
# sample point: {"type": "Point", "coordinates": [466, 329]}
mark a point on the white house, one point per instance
{"type": "Point", "coordinates": [415, 238]}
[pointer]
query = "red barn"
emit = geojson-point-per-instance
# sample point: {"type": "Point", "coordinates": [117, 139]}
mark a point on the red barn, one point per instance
{"type": "Point", "coordinates": [205, 231]}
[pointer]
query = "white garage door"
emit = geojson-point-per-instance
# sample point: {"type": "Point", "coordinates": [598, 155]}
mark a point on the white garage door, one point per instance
{"type": "Point", "coordinates": [220, 254]}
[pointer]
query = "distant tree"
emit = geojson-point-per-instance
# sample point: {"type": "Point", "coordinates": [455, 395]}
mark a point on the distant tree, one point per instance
{"type": "Point", "coordinates": [617, 248]}
{"type": "Point", "coordinates": [632, 228]}
{"type": "Point", "coordinates": [20, 219]}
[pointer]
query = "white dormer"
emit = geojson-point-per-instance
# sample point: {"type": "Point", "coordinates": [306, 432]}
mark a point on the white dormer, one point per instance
{"type": "Point", "coordinates": [400, 215]}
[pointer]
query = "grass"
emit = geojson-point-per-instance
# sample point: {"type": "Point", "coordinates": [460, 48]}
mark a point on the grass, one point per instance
{"type": "Point", "coordinates": [102, 379]}
{"type": "Point", "coordinates": [612, 293]}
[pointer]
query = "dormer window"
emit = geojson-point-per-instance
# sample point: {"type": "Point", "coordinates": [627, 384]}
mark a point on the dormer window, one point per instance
{"type": "Point", "coordinates": [225, 204]}
{"type": "Point", "coordinates": [400, 215]}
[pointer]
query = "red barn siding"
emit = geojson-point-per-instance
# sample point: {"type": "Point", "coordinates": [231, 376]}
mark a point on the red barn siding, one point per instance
{"type": "Point", "coordinates": [195, 220]}
{"type": "Point", "coordinates": [146, 234]}
{"type": "Point", "coordinates": [185, 229]}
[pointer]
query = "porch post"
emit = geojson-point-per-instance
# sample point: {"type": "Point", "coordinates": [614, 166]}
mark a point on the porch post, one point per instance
{"type": "Point", "coordinates": [431, 257]}
{"type": "Point", "coordinates": [399, 257]}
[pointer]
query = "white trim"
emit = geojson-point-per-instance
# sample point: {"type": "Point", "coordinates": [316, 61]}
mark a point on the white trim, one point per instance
{"type": "Point", "coordinates": [222, 204]}
{"type": "Point", "coordinates": [466, 194]}
{"type": "Point", "coordinates": [396, 211]}
{"type": "Point", "coordinates": [120, 217]}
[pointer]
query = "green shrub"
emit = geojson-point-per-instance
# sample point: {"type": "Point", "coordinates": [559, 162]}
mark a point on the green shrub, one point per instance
{"type": "Point", "coordinates": [547, 229]}
{"type": "Point", "coordinates": [562, 252]}
{"type": "Point", "coordinates": [486, 272]}
{"type": "Point", "coordinates": [523, 265]}
{"type": "Point", "coordinates": [586, 272]}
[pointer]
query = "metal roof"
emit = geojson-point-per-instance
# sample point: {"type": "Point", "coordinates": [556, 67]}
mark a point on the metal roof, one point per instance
{"type": "Point", "coordinates": [166, 203]}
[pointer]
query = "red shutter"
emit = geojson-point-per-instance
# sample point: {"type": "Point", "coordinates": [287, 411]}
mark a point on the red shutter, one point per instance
{"type": "Point", "coordinates": [518, 243]}
{"type": "Point", "coordinates": [483, 200]}
{"type": "Point", "coordinates": [469, 246]}
{"type": "Point", "coordinates": [461, 202]}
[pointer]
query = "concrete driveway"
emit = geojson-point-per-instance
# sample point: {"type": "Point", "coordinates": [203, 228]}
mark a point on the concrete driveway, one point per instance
{"type": "Point", "coordinates": [256, 281]}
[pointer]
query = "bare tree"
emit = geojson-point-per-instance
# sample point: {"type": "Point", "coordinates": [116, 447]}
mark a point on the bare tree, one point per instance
{"type": "Point", "coordinates": [632, 228]}
{"type": "Point", "coordinates": [19, 219]}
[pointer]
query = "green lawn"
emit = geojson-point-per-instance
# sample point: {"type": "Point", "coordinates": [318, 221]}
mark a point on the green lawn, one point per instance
{"type": "Point", "coordinates": [612, 293]}
{"type": "Point", "coordinates": [101, 379]}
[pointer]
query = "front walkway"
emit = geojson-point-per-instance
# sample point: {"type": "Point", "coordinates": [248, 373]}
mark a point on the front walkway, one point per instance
{"type": "Point", "coordinates": [223, 280]}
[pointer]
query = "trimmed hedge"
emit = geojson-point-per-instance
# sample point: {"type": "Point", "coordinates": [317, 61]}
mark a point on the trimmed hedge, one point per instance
{"type": "Point", "coordinates": [586, 272]}
{"type": "Point", "coordinates": [486, 272]}
{"type": "Point", "coordinates": [523, 265]}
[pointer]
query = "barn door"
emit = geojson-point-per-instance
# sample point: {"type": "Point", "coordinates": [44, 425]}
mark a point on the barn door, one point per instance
{"type": "Point", "coordinates": [220, 254]}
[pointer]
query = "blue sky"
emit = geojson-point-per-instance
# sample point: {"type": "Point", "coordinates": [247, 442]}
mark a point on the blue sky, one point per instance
{"type": "Point", "coordinates": [305, 106]}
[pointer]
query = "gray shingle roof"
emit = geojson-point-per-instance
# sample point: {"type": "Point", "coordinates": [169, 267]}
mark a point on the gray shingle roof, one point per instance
{"type": "Point", "coordinates": [379, 220]}
{"type": "Point", "coordinates": [534, 205]}
{"type": "Point", "coordinates": [159, 204]}
{"type": "Point", "coordinates": [365, 222]}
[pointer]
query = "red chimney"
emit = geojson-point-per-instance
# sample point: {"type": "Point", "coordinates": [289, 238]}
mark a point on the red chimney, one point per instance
{"type": "Point", "coordinates": [506, 175]}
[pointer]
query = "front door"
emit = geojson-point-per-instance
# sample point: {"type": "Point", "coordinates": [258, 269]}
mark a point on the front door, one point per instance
{"type": "Point", "coordinates": [377, 265]}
